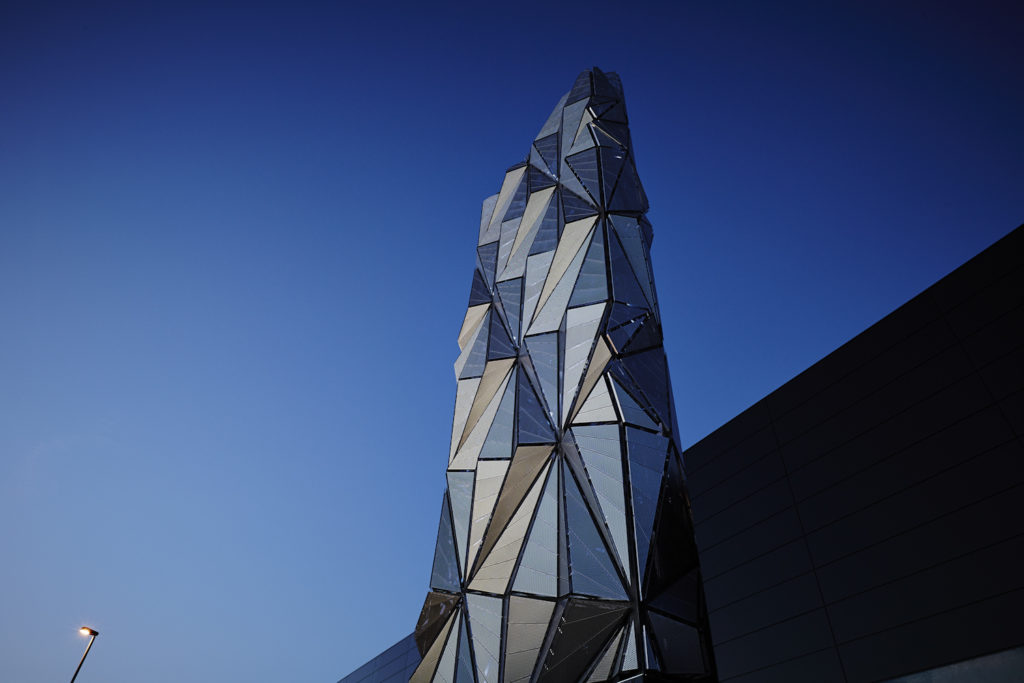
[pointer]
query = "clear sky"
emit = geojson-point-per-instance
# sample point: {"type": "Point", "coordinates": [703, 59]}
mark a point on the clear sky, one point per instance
{"type": "Point", "coordinates": [236, 244]}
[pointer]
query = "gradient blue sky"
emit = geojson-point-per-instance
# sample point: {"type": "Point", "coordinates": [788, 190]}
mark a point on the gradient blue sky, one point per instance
{"type": "Point", "coordinates": [236, 245]}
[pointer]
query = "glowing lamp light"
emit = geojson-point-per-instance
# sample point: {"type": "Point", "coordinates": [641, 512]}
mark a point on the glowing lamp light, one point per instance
{"type": "Point", "coordinates": [92, 633]}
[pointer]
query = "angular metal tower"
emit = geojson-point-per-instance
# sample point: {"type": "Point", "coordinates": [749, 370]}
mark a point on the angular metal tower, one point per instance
{"type": "Point", "coordinates": [565, 550]}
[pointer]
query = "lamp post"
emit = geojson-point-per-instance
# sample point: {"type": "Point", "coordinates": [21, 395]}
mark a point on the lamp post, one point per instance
{"type": "Point", "coordinates": [85, 631]}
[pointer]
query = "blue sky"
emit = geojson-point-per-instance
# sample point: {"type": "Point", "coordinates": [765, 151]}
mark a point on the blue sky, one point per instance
{"type": "Point", "coordinates": [236, 246]}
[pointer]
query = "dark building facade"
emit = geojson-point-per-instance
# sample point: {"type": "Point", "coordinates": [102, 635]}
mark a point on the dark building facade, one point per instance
{"type": "Point", "coordinates": [395, 665]}
{"type": "Point", "coordinates": [865, 521]}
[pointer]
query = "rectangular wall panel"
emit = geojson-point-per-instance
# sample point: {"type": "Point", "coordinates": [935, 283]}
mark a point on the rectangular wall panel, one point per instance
{"type": "Point", "coordinates": [866, 520]}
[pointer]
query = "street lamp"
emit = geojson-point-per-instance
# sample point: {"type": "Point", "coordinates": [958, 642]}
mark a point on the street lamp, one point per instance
{"type": "Point", "coordinates": [85, 631]}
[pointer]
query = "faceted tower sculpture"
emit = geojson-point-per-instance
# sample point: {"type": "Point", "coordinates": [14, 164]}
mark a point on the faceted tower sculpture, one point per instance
{"type": "Point", "coordinates": [565, 550]}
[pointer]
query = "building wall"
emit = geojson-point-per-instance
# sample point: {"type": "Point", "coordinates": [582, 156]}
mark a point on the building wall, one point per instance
{"type": "Point", "coordinates": [866, 520]}
{"type": "Point", "coordinates": [394, 665]}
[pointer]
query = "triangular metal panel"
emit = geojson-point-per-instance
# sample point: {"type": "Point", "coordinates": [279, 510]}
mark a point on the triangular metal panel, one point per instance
{"type": "Point", "coordinates": [624, 313]}
{"type": "Point", "coordinates": [479, 293]}
{"type": "Point", "coordinates": [485, 622]}
{"type": "Point", "coordinates": [526, 464]}
{"type": "Point", "coordinates": [584, 165]}
{"type": "Point", "coordinates": [599, 105]}
{"type": "Point", "coordinates": [498, 444]}
{"type": "Point", "coordinates": [445, 672]}
{"type": "Point", "coordinates": [487, 260]}
{"type": "Point", "coordinates": [500, 344]}
{"type": "Point", "coordinates": [537, 166]}
{"type": "Point", "coordinates": [471, 323]}
{"type": "Point", "coordinates": [627, 382]}
{"type": "Point", "coordinates": [647, 454]}
{"type": "Point", "coordinates": [492, 380]}
{"type": "Point", "coordinates": [581, 326]}
{"type": "Point", "coordinates": [585, 628]}
{"type": "Point", "coordinates": [620, 336]}
{"type": "Point", "coordinates": [612, 160]}
{"type": "Point", "coordinates": [629, 194]}
{"type": "Point", "coordinates": [605, 668]}
{"type": "Point", "coordinates": [511, 294]}
{"type": "Point", "coordinates": [571, 117]}
{"type": "Point", "coordinates": [538, 569]}
{"type": "Point", "coordinates": [591, 567]}
{"type": "Point", "coordinates": [606, 141]}
{"type": "Point", "coordinates": [464, 669]}
{"type": "Point", "coordinates": [528, 622]}
{"type": "Point", "coordinates": [598, 406]}
{"type": "Point", "coordinates": [533, 218]}
{"type": "Point", "coordinates": [537, 268]}
{"type": "Point", "coordinates": [538, 179]}
{"type": "Point", "coordinates": [518, 203]}
{"type": "Point", "coordinates": [550, 317]}
{"type": "Point", "coordinates": [445, 573]}
{"type": "Point", "coordinates": [485, 219]}
{"type": "Point", "coordinates": [649, 370]}
{"type": "Point", "coordinates": [574, 207]}
{"type": "Point", "coordinates": [575, 197]}
{"type": "Point", "coordinates": [468, 453]}
{"type": "Point", "coordinates": [674, 551]}
{"type": "Point", "coordinates": [489, 476]}
{"type": "Point", "coordinates": [631, 411]}
{"type": "Point", "coordinates": [532, 423]}
{"type": "Point", "coordinates": [601, 452]}
{"type": "Point", "coordinates": [547, 147]}
{"type": "Point", "coordinates": [573, 240]}
{"type": "Point", "coordinates": [598, 361]}
{"type": "Point", "coordinates": [631, 237]}
{"type": "Point", "coordinates": [647, 449]}
{"type": "Point", "coordinates": [473, 358]}
{"type": "Point", "coordinates": [592, 283]}
{"type": "Point", "coordinates": [647, 336]}
{"type": "Point", "coordinates": [460, 493]}
{"type": "Point", "coordinates": [465, 392]}
{"type": "Point", "coordinates": [616, 113]}
{"type": "Point", "coordinates": [547, 234]}
{"type": "Point", "coordinates": [583, 140]}
{"type": "Point", "coordinates": [434, 615]}
{"type": "Point", "coordinates": [625, 287]}
{"type": "Point", "coordinates": [509, 231]}
{"type": "Point", "coordinates": [424, 672]}
{"type": "Point", "coordinates": [543, 351]}
{"type": "Point", "coordinates": [629, 658]}
{"type": "Point", "coordinates": [496, 569]}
